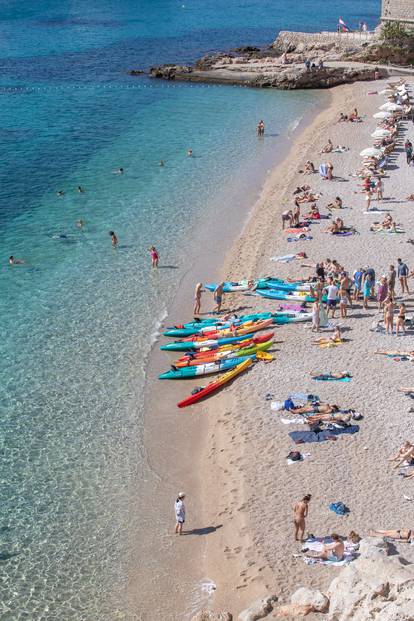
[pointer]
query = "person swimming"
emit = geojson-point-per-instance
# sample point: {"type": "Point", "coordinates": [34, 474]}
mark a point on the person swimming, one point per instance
{"type": "Point", "coordinates": [14, 261]}
{"type": "Point", "coordinates": [60, 193]}
{"type": "Point", "coordinates": [120, 171]}
{"type": "Point", "coordinates": [80, 189]}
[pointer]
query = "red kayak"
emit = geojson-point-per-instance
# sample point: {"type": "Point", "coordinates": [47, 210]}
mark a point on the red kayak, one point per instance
{"type": "Point", "coordinates": [216, 384]}
{"type": "Point", "coordinates": [256, 340]}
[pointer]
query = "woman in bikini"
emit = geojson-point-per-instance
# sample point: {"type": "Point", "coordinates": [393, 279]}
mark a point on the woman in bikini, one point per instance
{"type": "Point", "coordinates": [400, 322]}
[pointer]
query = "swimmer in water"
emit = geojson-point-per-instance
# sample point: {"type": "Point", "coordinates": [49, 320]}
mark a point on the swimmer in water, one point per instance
{"type": "Point", "coordinates": [80, 189]}
{"type": "Point", "coordinates": [120, 171]}
{"type": "Point", "coordinates": [13, 261]}
{"type": "Point", "coordinates": [114, 239]}
{"type": "Point", "coordinates": [162, 163]}
{"type": "Point", "coordinates": [79, 224]}
{"type": "Point", "coordinates": [154, 256]}
{"type": "Point", "coordinates": [60, 193]}
{"type": "Point", "coordinates": [190, 153]}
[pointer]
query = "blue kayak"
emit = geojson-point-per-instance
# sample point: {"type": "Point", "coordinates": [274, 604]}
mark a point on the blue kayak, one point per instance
{"type": "Point", "coordinates": [294, 296]}
{"type": "Point", "coordinates": [241, 285]}
{"type": "Point", "coordinates": [195, 345]}
{"type": "Point", "coordinates": [279, 318]}
{"type": "Point", "coordinates": [205, 369]}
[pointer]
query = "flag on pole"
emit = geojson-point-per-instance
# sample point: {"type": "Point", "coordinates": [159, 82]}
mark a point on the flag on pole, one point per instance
{"type": "Point", "coordinates": [342, 25]}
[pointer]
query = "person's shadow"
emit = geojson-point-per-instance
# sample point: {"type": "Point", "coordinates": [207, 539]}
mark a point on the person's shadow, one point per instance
{"type": "Point", "coordinates": [207, 530]}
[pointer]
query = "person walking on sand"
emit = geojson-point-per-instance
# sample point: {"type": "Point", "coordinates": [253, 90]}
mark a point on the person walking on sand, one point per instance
{"type": "Point", "coordinates": [379, 186]}
{"type": "Point", "coordinates": [392, 276]}
{"type": "Point", "coordinates": [402, 272]}
{"type": "Point", "coordinates": [179, 509]}
{"type": "Point", "coordinates": [114, 239]}
{"type": "Point", "coordinates": [408, 148]}
{"type": "Point", "coordinates": [197, 298]}
{"type": "Point", "coordinates": [218, 297]}
{"type": "Point", "coordinates": [154, 256]}
{"type": "Point", "coordinates": [300, 512]}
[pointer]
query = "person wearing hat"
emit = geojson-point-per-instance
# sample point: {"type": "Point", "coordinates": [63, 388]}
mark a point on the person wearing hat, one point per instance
{"type": "Point", "coordinates": [179, 513]}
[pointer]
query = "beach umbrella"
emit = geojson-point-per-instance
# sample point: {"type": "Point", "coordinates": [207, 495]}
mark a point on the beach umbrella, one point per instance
{"type": "Point", "coordinates": [391, 107]}
{"type": "Point", "coordinates": [381, 133]}
{"type": "Point", "coordinates": [371, 152]}
{"type": "Point", "coordinates": [382, 115]}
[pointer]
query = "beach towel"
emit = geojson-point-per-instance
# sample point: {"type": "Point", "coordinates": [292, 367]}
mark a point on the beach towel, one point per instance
{"type": "Point", "coordinates": [293, 421]}
{"type": "Point", "coordinates": [296, 239]}
{"type": "Point", "coordinates": [304, 437]}
{"type": "Point", "coordinates": [303, 396]}
{"type": "Point", "coordinates": [339, 508]}
{"type": "Point", "coordinates": [344, 233]}
{"type": "Point", "coordinates": [287, 258]}
{"type": "Point", "coordinates": [329, 378]}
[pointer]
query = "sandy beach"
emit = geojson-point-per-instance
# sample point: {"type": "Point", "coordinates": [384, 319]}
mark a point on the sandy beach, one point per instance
{"type": "Point", "coordinates": [247, 486]}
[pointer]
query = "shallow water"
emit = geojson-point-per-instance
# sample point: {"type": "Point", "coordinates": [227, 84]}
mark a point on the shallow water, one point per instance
{"type": "Point", "coordinates": [78, 319]}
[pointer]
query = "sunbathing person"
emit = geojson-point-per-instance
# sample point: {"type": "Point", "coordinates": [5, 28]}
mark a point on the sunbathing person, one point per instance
{"type": "Point", "coordinates": [342, 117]}
{"type": "Point", "coordinates": [388, 224]}
{"type": "Point", "coordinates": [321, 408]}
{"type": "Point", "coordinates": [331, 551]}
{"type": "Point", "coordinates": [330, 375]}
{"type": "Point", "coordinates": [337, 204]}
{"type": "Point", "coordinates": [405, 458]}
{"type": "Point", "coordinates": [403, 534]}
{"type": "Point", "coordinates": [337, 226]}
{"type": "Point", "coordinates": [338, 417]}
{"type": "Point", "coordinates": [309, 168]}
{"type": "Point", "coordinates": [395, 353]}
{"type": "Point", "coordinates": [328, 147]}
{"type": "Point", "coordinates": [314, 213]}
{"type": "Point", "coordinates": [405, 446]}
{"type": "Point", "coordinates": [302, 188]}
{"type": "Point", "coordinates": [336, 337]}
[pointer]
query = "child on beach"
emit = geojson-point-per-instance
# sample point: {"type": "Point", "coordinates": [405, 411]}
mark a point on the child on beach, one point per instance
{"type": "Point", "coordinates": [154, 256]}
{"type": "Point", "coordinates": [179, 509]}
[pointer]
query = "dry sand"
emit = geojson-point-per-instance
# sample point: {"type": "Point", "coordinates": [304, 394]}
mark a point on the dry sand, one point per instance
{"type": "Point", "coordinates": [248, 488]}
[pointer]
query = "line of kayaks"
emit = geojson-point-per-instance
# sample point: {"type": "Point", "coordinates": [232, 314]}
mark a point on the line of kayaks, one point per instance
{"type": "Point", "coordinates": [212, 367]}
{"type": "Point", "coordinates": [293, 296]}
{"type": "Point", "coordinates": [208, 326]}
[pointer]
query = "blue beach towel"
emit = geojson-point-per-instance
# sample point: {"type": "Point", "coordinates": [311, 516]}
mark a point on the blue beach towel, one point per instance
{"type": "Point", "coordinates": [298, 239]}
{"type": "Point", "coordinates": [329, 378]}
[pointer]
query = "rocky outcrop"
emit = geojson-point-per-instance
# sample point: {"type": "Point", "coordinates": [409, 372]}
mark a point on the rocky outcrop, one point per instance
{"type": "Point", "coordinates": [260, 609]}
{"type": "Point", "coordinates": [315, 599]}
{"type": "Point", "coordinates": [258, 75]}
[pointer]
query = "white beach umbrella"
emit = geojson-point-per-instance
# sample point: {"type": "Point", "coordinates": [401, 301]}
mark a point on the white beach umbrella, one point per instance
{"type": "Point", "coordinates": [382, 115]}
{"type": "Point", "coordinates": [381, 133]}
{"type": "Point", "coordinates": [371, 152]}
{"type": "Point", "coordinates": [391, 107]}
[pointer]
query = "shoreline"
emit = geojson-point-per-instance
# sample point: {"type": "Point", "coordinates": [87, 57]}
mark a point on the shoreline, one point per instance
{"type": "Point", "coordinates": [238, 561]}
{"type": "Point", "coordinates": [184, 430]}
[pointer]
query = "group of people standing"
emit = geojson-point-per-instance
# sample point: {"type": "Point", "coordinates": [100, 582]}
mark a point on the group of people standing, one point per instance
{"type": "Point", "coordinates": [339, 288]}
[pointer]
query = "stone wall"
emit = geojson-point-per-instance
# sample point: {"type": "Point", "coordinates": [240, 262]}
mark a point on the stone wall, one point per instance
{"type": "Point", "coordinates": [287, 41]}
{"type": "Point", "coordinates": [399, 11]}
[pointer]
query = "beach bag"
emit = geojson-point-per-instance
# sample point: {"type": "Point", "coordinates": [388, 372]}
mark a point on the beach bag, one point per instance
{"type": "Point", "coordinates": [288, 405]}
{"type": "Point", "coordinates": [294, 456]}
{"type": "Point", "coordinates": [339, 508]}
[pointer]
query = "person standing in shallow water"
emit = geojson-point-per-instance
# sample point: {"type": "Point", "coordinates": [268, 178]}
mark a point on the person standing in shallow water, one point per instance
{"type": "Point", "coordinates": [154, 256]}
{"type": "Point", "coordinates": [300, 512]}
{"type": "Point", "coordinates": [179, 509]}
{"type": "Point", "coordinates": [114, 239]}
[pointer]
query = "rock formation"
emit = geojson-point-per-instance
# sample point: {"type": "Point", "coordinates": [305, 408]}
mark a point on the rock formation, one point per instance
{"type": "Point", "coordinates": [376, 586]}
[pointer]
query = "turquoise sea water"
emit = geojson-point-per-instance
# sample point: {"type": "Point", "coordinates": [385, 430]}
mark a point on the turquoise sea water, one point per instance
{"type": "Point", "coordinates": [78, 319]}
